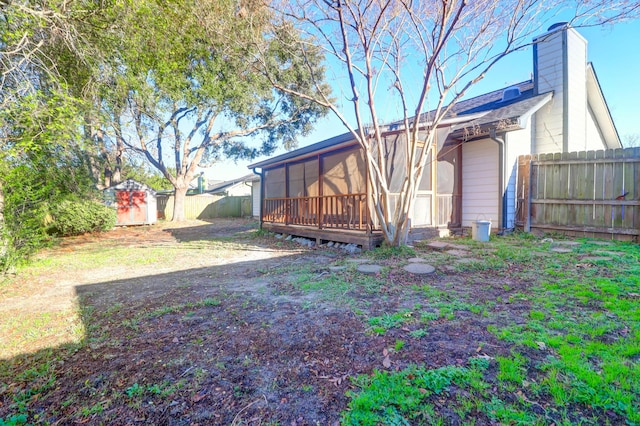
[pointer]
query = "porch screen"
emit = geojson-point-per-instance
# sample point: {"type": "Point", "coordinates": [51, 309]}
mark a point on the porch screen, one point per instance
{"type": "Point", "coordinates": [344, 173]}
{"type": "Point", "coordinates": [395, 148]}
{"type": "Point", "coordinates": [303, 179]}
{"type": "Point", "coordinates": [274, 183]}
{"type": "Point", "coordinates": [425, 182]}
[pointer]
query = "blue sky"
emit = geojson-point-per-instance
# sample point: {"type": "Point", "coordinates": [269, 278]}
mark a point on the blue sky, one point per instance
{"type": "Point", "coordinates": [613, 50]}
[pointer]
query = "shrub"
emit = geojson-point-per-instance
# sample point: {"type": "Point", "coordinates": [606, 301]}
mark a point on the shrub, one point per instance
{"type": "Point", "coordinates": [75, 216]}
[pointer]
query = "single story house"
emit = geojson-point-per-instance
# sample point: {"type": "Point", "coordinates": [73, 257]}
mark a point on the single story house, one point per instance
{"type": "Point", "coordinates": [321, 190]}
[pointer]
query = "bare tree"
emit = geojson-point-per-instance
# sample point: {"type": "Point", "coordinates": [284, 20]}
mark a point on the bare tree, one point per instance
{"type": "Point", "coordinates": [419, 58]}
{"type": "Point", "coordinates": [631, 140]}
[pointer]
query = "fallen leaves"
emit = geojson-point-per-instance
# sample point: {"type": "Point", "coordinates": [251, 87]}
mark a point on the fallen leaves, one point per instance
{"type": "Point", "coordinates": [386, 362]}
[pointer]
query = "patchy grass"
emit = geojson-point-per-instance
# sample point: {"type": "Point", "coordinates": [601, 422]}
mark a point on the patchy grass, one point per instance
{"type": "Point", "coordinates": [518, 335]}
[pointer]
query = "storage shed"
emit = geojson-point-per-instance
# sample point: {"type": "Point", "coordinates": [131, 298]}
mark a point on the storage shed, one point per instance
{"type": "Point", "coordinates": [135, 203]}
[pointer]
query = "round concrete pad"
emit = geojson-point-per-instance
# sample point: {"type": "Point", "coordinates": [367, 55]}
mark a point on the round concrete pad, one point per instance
{"type": "Point", "coordinates": [337, 268]}
{"type": "Point", "coordinates": [358, 260]}
{"type": "Point", "coordinates": [416, 260]}
{"type": "Point", "coordinates": [369, 269]}
{"type": "Point", "coordinates": [561, 250]}
{"type": "Point", "coordinates": [566, 243]}
{"type": "Point", "coordinates": [420, 268]}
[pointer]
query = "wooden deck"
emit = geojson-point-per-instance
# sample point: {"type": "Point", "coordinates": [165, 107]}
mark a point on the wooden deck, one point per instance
{"type": "Point", "coordinates": [367, 241]}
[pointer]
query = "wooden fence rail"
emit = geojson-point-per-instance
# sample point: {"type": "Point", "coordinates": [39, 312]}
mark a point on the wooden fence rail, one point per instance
{"type": "Point", "coordinates": [582, 193]}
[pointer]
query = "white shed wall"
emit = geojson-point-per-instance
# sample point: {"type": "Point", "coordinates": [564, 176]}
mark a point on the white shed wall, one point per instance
{"type": "Point", "coordinates": [480, 199]}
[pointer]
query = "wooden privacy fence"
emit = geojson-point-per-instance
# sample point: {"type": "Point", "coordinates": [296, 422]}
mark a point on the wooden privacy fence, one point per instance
{"type": "Point", "coordinates": [581, 193]}
{"type": "Point", "coordinates": [206, 206]}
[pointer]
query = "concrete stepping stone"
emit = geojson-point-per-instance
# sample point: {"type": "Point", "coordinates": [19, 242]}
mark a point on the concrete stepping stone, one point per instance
{"type": "Point", "coordinates": [459, 253]}
{"type": "Point", "coordinates": [416, 260]}
{"type": "Point", "coordinates": [601, 243]}
{"type": "Point", "coordinates": [438, 245]}
{"type": "Point", "coordinates": [369, 269]}
{"type": "Point", "coordinates": [419, 268]}
{"type": "Point", "coordinates": [466, 260]}
{"type": "Point", "coordinates": [567, 243]}
{"type": "Point", "coordinates": [561, 250]}
{"type": "Point", "coordinates": [458, 246]}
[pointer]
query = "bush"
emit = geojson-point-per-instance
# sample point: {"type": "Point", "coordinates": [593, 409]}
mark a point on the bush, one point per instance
{"type": "Point", "coordinates": [76, 216]}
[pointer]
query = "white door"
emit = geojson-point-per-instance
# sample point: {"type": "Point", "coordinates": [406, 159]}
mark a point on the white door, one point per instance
{"type": "Point", "coordinates": [480, 189]}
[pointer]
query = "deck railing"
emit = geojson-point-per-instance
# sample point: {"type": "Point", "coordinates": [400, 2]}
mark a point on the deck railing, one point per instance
{"type": "Point", "coordinates": [344, 211]}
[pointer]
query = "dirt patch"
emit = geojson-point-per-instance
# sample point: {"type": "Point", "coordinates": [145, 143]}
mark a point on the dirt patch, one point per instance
{"type": "Point", "coordinates": [211, 323]}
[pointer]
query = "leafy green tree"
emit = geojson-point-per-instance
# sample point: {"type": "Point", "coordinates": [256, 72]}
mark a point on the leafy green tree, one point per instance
{"type": "Point", "coordinates": [186, 94]}
{"type": "Point", "coordinates": [41, 155]}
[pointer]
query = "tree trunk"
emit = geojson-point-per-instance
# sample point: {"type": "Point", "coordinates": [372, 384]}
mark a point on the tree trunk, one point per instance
{"type": "Point", "coordinates": [116, 176]}
{"type": "Point", "coordinates": [4, 243]}
{"type": "Point", "coordinates": [180, 195]}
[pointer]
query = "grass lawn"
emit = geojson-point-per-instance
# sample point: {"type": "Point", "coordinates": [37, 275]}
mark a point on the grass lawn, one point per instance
{"type": "Point", "coordinates": [221, 324]}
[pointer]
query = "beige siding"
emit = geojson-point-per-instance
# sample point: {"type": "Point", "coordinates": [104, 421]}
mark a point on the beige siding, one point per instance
{"type": "Point", "coordinates": [255, 199]}
{"type": "Point", "coordinates": [480, 198]}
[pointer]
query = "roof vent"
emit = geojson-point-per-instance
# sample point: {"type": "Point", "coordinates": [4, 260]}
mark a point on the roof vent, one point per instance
{"type": "Point", "coordinates": [510, 93]}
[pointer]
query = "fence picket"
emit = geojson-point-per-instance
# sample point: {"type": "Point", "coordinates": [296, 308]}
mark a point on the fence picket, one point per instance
{"type": "Point", "coordinates": [582, 192]}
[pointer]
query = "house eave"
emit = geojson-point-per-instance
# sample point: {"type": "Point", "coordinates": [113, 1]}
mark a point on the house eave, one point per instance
{"type": "Point", "coordinates": [602, 114]}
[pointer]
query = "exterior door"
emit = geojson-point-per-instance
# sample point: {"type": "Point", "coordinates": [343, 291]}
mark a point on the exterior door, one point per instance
{"type": "Point", "coordinates": [138, 207]}
{"type": "Point", "coordinates": [131, 207]}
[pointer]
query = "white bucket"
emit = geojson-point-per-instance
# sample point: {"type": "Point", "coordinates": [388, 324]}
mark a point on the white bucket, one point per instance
{"type": "Point", "coordinates": [480, 230]}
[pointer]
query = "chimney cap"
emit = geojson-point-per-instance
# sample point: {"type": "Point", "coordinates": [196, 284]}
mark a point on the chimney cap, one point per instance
{"type": "Point", "coordinates": [558, 25]}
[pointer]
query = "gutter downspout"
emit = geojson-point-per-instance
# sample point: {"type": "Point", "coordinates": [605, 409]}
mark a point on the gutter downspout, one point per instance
{"type": "Point", "coordinates": [261, 174]}
{"type": "Point", "coordinates": [502, 205]}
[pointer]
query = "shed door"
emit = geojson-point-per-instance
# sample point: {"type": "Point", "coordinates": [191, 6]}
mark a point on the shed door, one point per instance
{"type": "Point", "coordinates": [138, 207]}
{"type": "Point", "coordinates": [132, 207]}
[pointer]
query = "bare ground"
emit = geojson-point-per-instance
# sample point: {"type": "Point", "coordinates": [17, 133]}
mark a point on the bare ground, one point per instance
{"type": "Point", "coordinates": [229, 338]}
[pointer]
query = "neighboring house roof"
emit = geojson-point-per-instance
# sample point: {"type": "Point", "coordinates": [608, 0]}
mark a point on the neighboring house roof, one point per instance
{"type": "Point", "coordinates": [224, 186]}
